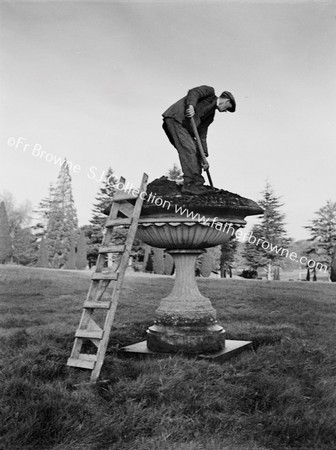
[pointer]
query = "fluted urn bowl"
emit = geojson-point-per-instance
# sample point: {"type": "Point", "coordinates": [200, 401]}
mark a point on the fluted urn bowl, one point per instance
{"type": "Point", "coordinates": [184, 234]}
{"type": "Point", "coordinates": [174, 221]}
{"type": "Point", "coordinates": [185, 226]}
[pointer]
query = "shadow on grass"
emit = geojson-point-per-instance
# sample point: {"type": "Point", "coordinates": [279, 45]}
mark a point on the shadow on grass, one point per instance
{"type": "Point", "coordinates": [281, 396]}
{"type": "Point", "coordinates": [263, 334]}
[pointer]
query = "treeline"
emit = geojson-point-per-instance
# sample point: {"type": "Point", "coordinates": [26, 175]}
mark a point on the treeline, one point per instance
{"type": "Point", "coordinates": [56, 241]}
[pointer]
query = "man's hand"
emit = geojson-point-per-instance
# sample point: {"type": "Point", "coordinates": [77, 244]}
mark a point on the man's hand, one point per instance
{"type": "Point", "coordinates": [205, 165]}
{"type": "Point", "coordinates": [190, 111]}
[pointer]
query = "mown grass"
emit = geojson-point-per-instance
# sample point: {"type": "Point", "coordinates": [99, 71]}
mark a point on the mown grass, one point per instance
{"type": "Point", "coordinates": [280, 396]}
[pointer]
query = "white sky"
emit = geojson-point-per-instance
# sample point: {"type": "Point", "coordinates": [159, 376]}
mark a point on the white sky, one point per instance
{"type": "Point", "coordinates": [89, 81]}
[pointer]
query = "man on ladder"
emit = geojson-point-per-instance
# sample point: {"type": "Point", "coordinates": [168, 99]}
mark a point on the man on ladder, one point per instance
{"type": "Point", "coordinates": [198, 105]}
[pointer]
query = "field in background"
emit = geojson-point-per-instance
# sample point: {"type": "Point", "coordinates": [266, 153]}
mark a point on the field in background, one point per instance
{"type": "Point", "coordinates": [280, 396]}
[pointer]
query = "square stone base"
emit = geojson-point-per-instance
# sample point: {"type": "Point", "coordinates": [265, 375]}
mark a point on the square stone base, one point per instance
{"type": "Point", "coordinates": [231, 349]}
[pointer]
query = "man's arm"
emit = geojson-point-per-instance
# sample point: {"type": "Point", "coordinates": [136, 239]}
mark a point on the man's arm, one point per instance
{"type": "Point", "coordinates": [194, 95]}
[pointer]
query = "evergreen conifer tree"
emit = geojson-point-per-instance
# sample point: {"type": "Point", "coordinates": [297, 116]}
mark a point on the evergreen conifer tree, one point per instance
{"type": "Point", "coordinates": [62, 219]}
{"type": "Point", "coordinates": [175, 174]}
{"type": "Point", "coordinates": [43, 212]}
{"type": "Point", "coordinates": [271, 232]}
{"type": "Point", "coordinates": [103, 201]}
{"type": "Point", "coordinates": [323, 232]}
{"type": "Point", "coordinates": [6, 250]}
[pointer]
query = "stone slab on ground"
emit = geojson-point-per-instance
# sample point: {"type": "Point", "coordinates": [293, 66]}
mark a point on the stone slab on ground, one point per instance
{"type": "Point", "coordinates": [232, 348]}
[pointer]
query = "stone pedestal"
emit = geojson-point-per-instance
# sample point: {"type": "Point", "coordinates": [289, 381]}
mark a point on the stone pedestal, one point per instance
{"type": "Point", "coordinates": [185, 320]}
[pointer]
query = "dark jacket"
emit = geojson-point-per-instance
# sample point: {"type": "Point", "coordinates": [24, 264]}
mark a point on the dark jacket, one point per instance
{"type": "Point", "coordinates": [204, 101]}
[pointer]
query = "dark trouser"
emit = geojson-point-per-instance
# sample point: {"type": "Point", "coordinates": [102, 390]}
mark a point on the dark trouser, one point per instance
{"type": "Point", "coordinates": [187, 151]}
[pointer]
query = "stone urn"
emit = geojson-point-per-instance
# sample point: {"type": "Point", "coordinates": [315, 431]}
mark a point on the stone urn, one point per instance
{"type": "Point", "coordinates": [185, 226]}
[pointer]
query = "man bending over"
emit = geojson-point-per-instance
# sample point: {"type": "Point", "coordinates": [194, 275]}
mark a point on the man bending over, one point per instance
{"type": "Point", "coordinates": [200, 103]}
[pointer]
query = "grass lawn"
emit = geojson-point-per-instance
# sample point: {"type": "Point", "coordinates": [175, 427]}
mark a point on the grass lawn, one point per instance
{"type": "Point", "coordinates": [280, 396]}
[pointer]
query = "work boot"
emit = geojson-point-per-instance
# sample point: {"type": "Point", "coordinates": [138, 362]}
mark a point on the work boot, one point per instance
{"type": "Point", "coordinates": [193, 189]}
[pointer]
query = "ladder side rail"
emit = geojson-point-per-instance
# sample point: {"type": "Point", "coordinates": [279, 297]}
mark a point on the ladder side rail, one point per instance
{"type": "Point", "coordinates": [117, 288]}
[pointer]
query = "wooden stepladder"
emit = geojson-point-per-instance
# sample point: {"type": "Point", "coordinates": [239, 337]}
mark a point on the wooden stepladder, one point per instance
{"type": "Point", "coordinates": [92, 335]}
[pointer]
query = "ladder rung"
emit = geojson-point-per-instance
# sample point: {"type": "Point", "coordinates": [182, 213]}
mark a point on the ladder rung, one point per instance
{"type": "Point", "coordinates": [112, 249]}
{"type": "Point", "coordinates": [87, 357]}
{"type": "Point", "coordinates": [98, 305]}
{"type": "Point", "coordinates": [122, 196]}
{"type": "Point", "coordinates": [105, 276]}
{"type": "Point", "coordinates": [117, 222]}
{"type": "Point", "coordinates": [97, 334]}
{"type": "Point", "coordinates": [81, 363]}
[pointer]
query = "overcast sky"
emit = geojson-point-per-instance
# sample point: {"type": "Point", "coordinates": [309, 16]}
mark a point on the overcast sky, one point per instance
{"type": "Point", "coordinates": [89, 81]}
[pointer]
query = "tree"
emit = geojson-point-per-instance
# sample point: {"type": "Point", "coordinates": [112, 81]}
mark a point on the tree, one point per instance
{"type": "Point", "coordinates": [25, 247]}
{"type": "Point", "coordinates": [206, 264]}
{"type": "Point", "coordinates": [81, 258]}
{"type": "Point", "coordinates": [215, 253]}
{"type": "Point", "coordinates": [209, 260]}
{"type": "Point", "coordinates": [103, 199]}
{"type": "Point", "coordinates": [43, 212]}
{"type": "Point", "coordinates": [43, 259]}
{"type": "Point", "coordinates": [269, 233]}
{"type": "Point", "coordinates": [18, 216]}
{"type": "Point", "coordinates": [323, 232]}
{"type": "Point", "coordinates": [6, 250]}
{"type": "Point", "coordinates": [102, 202]}
{"type": "Point", "coordinates": [22, 240]}
{"type": "Point", "coordinates": [175, 174]}
{"type": "Point", "coordinates": [62, 219]}
{"type": "Point", "coordinates": [254, 255]}
{"type": "Point", "coordinates": [228, 251]}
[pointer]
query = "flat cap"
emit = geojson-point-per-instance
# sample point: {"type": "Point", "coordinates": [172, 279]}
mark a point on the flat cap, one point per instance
{"type": "Point", "coordinates": [228, 95]}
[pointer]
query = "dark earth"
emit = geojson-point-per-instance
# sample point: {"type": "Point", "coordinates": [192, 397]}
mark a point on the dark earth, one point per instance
{"type": "Point", "coordinates": [215, 199]}
{"type": "Point", "coordinates": [215, 202]}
